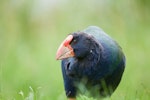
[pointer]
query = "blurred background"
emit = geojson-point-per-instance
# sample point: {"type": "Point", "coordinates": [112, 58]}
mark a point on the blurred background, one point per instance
{"type": "Point", "coordinates": [32, 30]}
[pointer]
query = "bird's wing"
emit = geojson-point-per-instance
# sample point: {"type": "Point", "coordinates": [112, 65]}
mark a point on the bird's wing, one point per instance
{"type": "Point", "coordinates": [112, 51]}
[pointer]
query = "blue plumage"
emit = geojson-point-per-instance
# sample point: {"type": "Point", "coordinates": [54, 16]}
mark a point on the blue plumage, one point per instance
{"type": "Point", "coordinates": [97, 67]}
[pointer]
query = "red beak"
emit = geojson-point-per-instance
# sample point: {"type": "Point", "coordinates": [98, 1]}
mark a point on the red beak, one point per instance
{"type": "Point", "coordinates": [65, 50]}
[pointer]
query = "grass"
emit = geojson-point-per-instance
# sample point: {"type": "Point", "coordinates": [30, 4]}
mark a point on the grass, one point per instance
{"type": "Point", "coordinates": [31, 31]}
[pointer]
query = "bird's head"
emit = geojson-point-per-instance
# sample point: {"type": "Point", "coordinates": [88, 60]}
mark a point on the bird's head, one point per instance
{"type": "Point", "coordinates": [77, 45]}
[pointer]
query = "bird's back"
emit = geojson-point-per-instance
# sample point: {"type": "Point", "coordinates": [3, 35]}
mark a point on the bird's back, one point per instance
{"type": "Point", "coordinates": [112, 51]}
{"type": "Point", "coordinates": [113, 61]}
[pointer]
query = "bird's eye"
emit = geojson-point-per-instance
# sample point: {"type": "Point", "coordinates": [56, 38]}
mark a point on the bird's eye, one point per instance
{"type": "Point", "coordinates": [74, 40]}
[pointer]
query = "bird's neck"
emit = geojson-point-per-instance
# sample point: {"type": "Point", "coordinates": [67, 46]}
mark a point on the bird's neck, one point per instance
{"type": "Point", "coordinates": [93, 57]}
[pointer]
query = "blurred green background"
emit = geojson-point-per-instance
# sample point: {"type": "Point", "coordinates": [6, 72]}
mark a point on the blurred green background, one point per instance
{"type": "Point", "coordinates": [32, 30]}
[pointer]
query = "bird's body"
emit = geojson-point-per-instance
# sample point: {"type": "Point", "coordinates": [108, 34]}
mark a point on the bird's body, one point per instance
{"type": "Point", "coordinates": [95, 63]}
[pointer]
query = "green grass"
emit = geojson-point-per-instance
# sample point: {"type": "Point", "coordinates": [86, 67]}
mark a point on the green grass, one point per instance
{"type": "Point", "coordinates": [31, 33]}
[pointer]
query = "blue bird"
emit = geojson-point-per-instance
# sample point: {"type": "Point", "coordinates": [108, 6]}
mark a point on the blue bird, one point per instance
{"type": "Point", "coordinates": [92, 63]}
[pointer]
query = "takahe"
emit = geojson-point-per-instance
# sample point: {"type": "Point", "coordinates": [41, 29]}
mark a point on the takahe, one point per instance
{"type": "Point", "coordinates": [92, 63]}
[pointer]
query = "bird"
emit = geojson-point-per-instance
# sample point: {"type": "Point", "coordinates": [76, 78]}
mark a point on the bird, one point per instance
{"type": "Point", "coordinates": [92, 63]}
